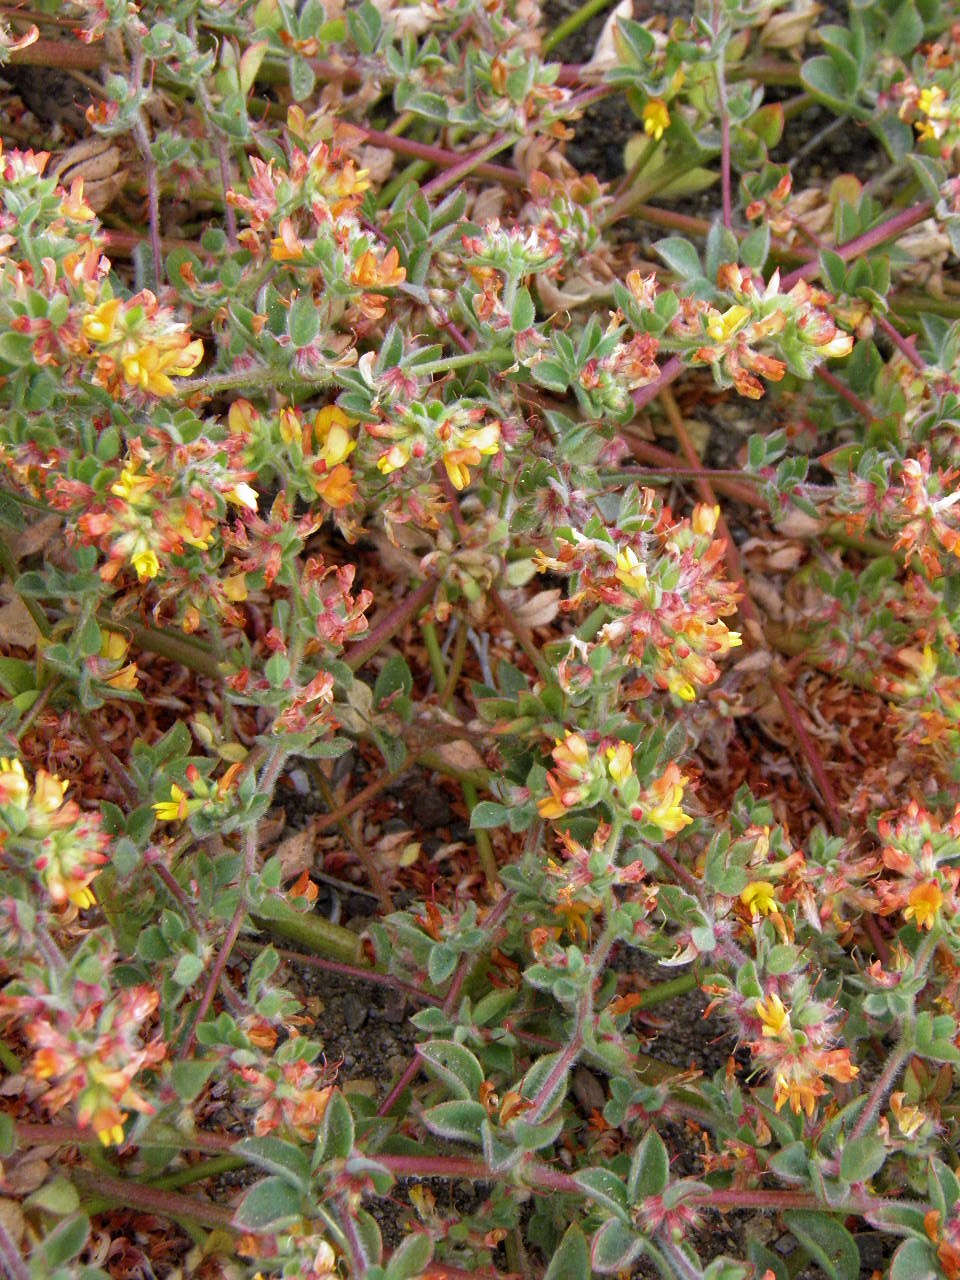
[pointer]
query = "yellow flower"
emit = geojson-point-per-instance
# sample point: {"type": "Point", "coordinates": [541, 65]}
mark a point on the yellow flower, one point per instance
{"type": "Point", "coordinates": [759, 897]}
{"type": "Point", "coordinates": [620, 762]}
{"type": "Point", "coordinates": [656, 118]}
{"type": "Point", "coordinates": [111, 1135]}
{"type": "Point", "coordinates": [113, 646]}
{"type": "Point", "coordinates": [666, 812]}
{"type": "Point", "coordinates": [924, 901]}
{"type": "Point", "coordinates": [704, 519]}
{"type": "Point", "coordinates": [287, 246]}
{"type": "Point", "coordinates": [48, 791]}
{"type": "Point", "coordinates": [801, 1092]}
{"type": "Point", "coordinates": [397, 456]}
{"type": "Point", "coordinates": [131, 486]}
{"type": "Point", "coordinates": [150, 368]}
{"type": "Point", "coordinates": [679, 685]}
{"type": "Point", "coordinates": [146, 564]}
{"type": "Point", "coordinates": [97, 325]}
{"type": "Point", "coordinates": [14, 788]}
{"type": "Point", "coordinates": [458, 463]}
{"type": "Point", "coordinates": [721, 327]}
{"type": "Point", "coordinates": [632, 572]}
{"type": "Point", "coordinates": [931, 102]}
{"type": "Point", "coordinates": [242, 495]}
{"type": "Point", "coordinates": [235, 587]}
{"type": "Point", "coordinates": [331, 429]}
{"type": "Point", "coordinates": [572, 750]}
{"type": "Point", "coordinates": [774, 1016]}
{"type": "Point", "coordinates": [175, 809]}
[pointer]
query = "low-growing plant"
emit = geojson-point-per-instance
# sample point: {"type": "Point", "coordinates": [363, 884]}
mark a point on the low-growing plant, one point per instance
{"type": "Point", "coordinates": [333, 430]}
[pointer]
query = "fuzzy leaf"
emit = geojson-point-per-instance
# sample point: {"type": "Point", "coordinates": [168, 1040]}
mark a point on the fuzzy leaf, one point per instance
{"type": "Point", "coordinates": [828, 1242]}
{"type": "Point", "coordinates": [268, 1205]}
{"type": "Point", "coordinates": [572, 1258]}
{"type": "Point", "coordinates": [453, 1064]}
{"type": "Point", "coordinates": [278, 1157]}
{"type": "Point", "coordinates": [615, 1246]}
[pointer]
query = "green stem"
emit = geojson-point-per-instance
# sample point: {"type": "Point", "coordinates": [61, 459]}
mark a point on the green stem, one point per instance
{"type": "Point", "coordinates": [466, 360]}
{"type": "Point", "coordinates": [579, 18]}
{"type": "Point", "coordinates": [456, 666]}
{"type": "Point", "coordinates": [434, 654]}
{"type": "Point", "coordinates": [197, 1173]}
{"type": "Point", "coordinates": [412, 173]}
{"type": "Point", "coordinates": [484, 847]}
{"type": "Point", "coordinates": [663, 992]}
{"type": "Point", "coordinates": [311, 931]}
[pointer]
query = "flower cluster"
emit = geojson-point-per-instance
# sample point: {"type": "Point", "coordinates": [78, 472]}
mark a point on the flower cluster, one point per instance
{"type": "Point", "coordinates": [306, 218]}
{"type": "Point", "coordinates": [795, 324]}
{"type": "Point", "coordinates": [457, 435]}
{"type": "Point", "coordinates": [87, 1046]}
{"type": "Point", "coordinates": [584, 777]}
{"type": "Point", "coordinates": [794, 1043]}
{"type": "Point", "coordinates": [62, 846]}
{"type": "Point", "coordinates": [169, 497]}
{"type": "Point", "coordinates": [923, 853]}
{"type": "Point", "coordinates": [664, 595]}
{"type": "Point", "coordinates": [136, 343]}
{"type": "Point", "coordinates": [929, 97]}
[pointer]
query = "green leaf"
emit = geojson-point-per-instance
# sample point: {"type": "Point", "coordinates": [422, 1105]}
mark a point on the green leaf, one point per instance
{"type": "Point", "coordinates": [524, 313]}
{"type": "Point", "coordinates": [17, 676]}
{"type": "Point", "coordinates": [58, 1197]}
{"type": "Point", "coordinates": [302, 79]}
{"type": "Point", "coordinates": [821, 78]}
{"type": "Point", "coordinates": [441, 963]}
{"type": "Point", "coordinates": [571, 1261]}
{"type": "Point", "coordinates": [828, 1243]}
{"type": "Point", "coordinates": [268, 1206]}
{"type": "Point", "coordinates": [680, 256]}
{"type": "Point", "coordinates": [410, 1258]}
{"type": "Point", "coordinates": [614, 1247]}
{"type": "Point", "coordinates": [905, 30]}
{"type": "Point", "coordinates": [8, 1135]}
{"type": "Point", "coordinates": [765, 1260]}
{"type": "Point", "coordinates": [65, 1241]}
{"type": "Point", "coordinates": [915, 1260]}
{"type": "Point", "coordinates": [459, 1120]}
{"type": "Point", "coordinates": [453, 1064]}
{"type": "Point", "coordinates": [649, 1168]}
{"type": "Point", "coordinates": [861, 1158]}
{"type": "Point", "coordinates": [303, 322]}
{"type": "Point", "coordinates": [395, 677]}
{"type": "Point", "coordinates": [16, 348]}
{"type": "Point", "coordinates": [189, 1077]}
{"type": "Point", "coordinates": [188, 970]}
{"type": "Point", "coordinates": [338, 1132]}
{"type": "Point", "coordinates": [604, 1187]}
{"type": "Point", "coordinates": [279, 1157]}
{"type": "Point", "coordinates": [486, 814]}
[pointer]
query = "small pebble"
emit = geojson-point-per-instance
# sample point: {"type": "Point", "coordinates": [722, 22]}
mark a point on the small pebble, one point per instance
{"type": "Point", "coordinates": [354, 1012]}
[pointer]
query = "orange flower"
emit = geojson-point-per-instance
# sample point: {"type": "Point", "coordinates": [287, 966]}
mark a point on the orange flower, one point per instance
{"type": "Point", "coordinates": [336, 487]}
{"type": "Point", "coordinates": [924, 902]}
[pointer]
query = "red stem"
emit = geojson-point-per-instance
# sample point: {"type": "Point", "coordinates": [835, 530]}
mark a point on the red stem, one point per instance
{"type": "Point", "coordinates": [388, 626]}
{"type": "Point", "coordinates": [439, 156]}
{"type": "Point", "coordinates": [844, 392]}
{"type": "Point", "coordinates": [903, 345]}
{"type": "Point", "coordinates": [871, 239]}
